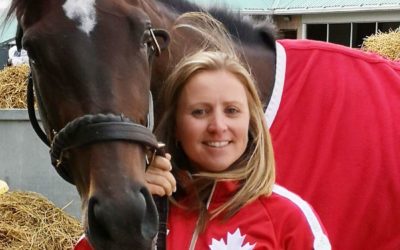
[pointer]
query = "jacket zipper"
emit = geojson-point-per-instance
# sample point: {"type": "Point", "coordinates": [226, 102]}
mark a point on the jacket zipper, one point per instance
{"type": "Point", "coordinates": [196, 230]}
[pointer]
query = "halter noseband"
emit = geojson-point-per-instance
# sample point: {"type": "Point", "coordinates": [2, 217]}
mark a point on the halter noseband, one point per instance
{"type": "Point", "coordinates": [93, 128]}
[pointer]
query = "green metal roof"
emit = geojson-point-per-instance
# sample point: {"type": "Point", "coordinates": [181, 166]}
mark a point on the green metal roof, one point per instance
{"type": "Point", "coordinates": [319, 6]}
{"type": "Point", "coordinates": [302, 6]}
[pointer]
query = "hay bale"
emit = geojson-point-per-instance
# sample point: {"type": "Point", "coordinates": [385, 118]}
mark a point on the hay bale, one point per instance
{"type": "Point", "coordinates": [13, 86]}
{"type": "Point", "coordinates": [384, 44]}
{"type": "Point", "coordinates": [29, 221]}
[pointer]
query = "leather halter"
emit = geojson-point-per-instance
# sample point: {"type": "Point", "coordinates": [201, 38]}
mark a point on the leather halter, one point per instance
{"type": "Point", "coordinates": [93, 128]}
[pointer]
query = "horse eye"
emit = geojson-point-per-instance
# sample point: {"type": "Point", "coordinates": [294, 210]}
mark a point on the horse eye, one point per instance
{"type": "Point", "coordinates": [147, 44]}
{"type": "Point", "coordinates": [32, 57]}
{"type": "Point", "coordinates": [31, 54]}
{"type": "Point", "coordinates": [146, 37]}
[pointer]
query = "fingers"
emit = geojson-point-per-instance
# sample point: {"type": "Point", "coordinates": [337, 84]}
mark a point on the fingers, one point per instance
{"type": "Point", "coordinates": [162, 163]}
{"type": "Point", "coordinates": [161, 182]}
{"type": "Point", "coordinates": [159, 179]}
{"type": "Point", "coordinates": [156, 190]}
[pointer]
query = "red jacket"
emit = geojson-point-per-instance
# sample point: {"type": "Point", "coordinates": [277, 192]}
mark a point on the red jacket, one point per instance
{"type": "Point", "coordinates": [335, 126]}
{"type": "Point", "coordinates": [280, 221]}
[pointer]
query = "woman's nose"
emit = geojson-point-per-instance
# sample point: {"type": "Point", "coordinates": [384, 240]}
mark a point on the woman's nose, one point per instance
{"type": "Point", "coordinates": [217, 123]}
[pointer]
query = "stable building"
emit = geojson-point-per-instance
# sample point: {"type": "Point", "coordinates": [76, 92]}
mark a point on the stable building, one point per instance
{"type": "Point", "coordinates": [345, 22]}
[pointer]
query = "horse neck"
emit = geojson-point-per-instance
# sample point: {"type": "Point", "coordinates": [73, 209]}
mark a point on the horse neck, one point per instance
{"type": "Point", "coordinates": [262, 63]}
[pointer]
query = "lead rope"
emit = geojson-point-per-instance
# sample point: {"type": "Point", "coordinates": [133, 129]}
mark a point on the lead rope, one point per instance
{"type": "Point", "coordinates": [161, 202]}
{"type": "Point", "coordinates": [162, 207]}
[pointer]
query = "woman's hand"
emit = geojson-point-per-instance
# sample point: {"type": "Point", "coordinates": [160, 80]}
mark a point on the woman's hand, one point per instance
{"type": "Point", "coordinates": [159, 179]}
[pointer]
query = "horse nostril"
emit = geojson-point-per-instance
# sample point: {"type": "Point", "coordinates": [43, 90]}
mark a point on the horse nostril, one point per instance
{"type": "Point", "coordinates": [150, 220]}
{"type": "Point", "coordinates": [96, 216]}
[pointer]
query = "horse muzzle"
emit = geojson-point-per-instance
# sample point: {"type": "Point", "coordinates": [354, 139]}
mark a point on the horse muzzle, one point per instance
{"type": "Point", "coordinates": [124, 221]}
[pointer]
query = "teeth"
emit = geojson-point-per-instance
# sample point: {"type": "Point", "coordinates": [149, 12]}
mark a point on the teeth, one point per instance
{"type": "Point", "coordinates": [217, 144]}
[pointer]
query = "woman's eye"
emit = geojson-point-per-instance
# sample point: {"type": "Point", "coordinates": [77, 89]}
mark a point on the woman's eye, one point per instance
{"type": "Point", "coordinates": [232, 110]}
{"type": "Point", "coordinates": [198, 112]}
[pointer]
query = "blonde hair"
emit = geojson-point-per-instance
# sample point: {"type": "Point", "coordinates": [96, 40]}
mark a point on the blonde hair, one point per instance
{"type": "Point", "coordinates": [255, 169]}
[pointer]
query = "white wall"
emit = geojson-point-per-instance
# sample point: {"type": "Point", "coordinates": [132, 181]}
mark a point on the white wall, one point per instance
{"type": "Point", "coordinates": [25, 162]}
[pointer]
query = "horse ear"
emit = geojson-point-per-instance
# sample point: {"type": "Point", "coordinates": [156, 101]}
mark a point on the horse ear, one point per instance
{"type": "Point", "coordinates": [18, 37]}
{"type": "Point", "coordinates": [26, 12]}
{"type": "Point", "coordinates": [267, 34]}
{"type": "Point", "coordinates": [29, 12]}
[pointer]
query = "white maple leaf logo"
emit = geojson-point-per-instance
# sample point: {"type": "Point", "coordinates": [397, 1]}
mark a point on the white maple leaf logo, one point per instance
{"type": "Point", "coordinates": [234, 242]}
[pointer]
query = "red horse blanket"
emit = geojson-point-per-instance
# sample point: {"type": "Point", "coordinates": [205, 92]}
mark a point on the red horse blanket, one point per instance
{"type": "Point", "coordinates": [335, 122]}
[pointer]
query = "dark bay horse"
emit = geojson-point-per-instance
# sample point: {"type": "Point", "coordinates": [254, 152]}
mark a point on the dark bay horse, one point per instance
{"type": "Point", "coordinates": [92, 57]}
{"type": "Point", "coordinates": [91, 71]}
{"type": "Point", "coordinates": [91, 66]}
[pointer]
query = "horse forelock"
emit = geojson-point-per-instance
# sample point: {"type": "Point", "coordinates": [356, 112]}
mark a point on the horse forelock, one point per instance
{"type": "Point", "coordinates": [244, 31]}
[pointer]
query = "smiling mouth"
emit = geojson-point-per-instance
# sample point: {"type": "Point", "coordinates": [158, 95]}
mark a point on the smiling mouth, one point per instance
{"type": "Point", "coordinates": [217, 144]}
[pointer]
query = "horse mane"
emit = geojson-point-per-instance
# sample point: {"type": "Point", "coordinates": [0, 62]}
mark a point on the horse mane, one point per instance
{"type": "Point", "coordinates": [18, 7]}
{"type": "Point", "coordinates": [241, 30]}
{"type": "Point", "coordinates": [181, 6]}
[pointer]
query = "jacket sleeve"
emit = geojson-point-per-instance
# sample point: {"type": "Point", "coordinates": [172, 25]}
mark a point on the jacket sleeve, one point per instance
{"type": "Point", "coordinates": [296, 223]}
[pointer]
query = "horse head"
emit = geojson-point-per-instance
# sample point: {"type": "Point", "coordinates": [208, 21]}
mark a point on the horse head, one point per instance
{"type": "Point", "coordinates": [91, 71]}
{"type": "Point", "coordinates": [91, 66]}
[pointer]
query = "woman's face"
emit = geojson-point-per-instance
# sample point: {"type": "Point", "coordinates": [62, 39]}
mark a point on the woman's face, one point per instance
{"type": "Point", "coordinates": [212, 120]}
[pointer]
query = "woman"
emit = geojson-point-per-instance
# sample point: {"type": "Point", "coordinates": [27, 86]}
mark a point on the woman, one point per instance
{"type": "Point", "coordinates": [221, 149]}
{"type": "Point", "coordinates": [215, 130]}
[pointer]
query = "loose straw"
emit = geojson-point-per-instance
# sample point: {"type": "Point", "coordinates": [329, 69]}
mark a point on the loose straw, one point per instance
{"type": "Point", "coordinates": [29, 221]}
{"type": "Point", "coordinates": [13, 87]}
